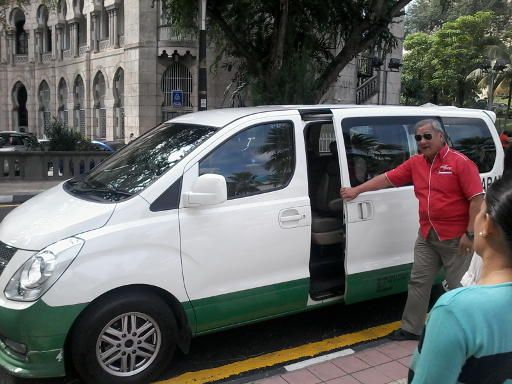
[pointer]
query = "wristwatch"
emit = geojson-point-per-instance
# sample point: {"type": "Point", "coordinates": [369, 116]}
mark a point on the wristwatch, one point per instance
{"type": "Point", "coordinates": [470, 235]}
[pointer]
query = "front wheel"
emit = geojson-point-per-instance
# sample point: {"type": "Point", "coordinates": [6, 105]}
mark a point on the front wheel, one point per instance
{"type": "Point", "coordinates": [124, 339]}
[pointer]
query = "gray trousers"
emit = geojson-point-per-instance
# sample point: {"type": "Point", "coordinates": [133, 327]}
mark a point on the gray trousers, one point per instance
{"type": "Point", "coordinates": [429, 256]}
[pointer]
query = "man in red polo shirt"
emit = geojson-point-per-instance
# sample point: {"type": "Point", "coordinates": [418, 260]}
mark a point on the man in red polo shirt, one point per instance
{"type": "Point", "coordinates": [448, 187]}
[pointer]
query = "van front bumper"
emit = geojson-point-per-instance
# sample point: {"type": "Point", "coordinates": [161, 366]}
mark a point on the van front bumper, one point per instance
{"type": "Point", "coordinates": [42, 331]}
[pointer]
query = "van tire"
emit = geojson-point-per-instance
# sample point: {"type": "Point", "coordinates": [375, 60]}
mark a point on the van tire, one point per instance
{"type": "Point", "coordinates": [109, 313]}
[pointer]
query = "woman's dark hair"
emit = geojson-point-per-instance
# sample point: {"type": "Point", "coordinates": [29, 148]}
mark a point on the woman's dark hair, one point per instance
{"type": "Point", "coordinates": [499, 205]}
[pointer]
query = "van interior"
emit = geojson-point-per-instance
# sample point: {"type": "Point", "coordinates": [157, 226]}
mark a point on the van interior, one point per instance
{"type": "Point", "coordinates": [327, 257]}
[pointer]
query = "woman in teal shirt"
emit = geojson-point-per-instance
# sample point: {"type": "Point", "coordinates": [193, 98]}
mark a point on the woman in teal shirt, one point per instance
{"type": "Point", "coordinates": [468, 337]}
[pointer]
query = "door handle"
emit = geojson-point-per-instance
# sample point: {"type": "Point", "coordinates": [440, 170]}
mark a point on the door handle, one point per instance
{"type": "Point", "coordinates": [365, 210]}
{"type": "Point", "coordinates": [285, 219]}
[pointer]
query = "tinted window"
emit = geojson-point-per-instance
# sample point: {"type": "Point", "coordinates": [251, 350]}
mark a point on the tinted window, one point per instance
{"type": "Point", "coordinates": [256, 160]}
{"type": "Point", "coordinates": [473, 138]}
{"type": "Point", "coordinates": [375, 145]}
{"type": "Point", "coordinates": [15, 140]}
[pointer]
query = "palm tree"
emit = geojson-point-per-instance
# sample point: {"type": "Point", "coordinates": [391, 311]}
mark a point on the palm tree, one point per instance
{"type": "Point", "coordinates": [501, 54]}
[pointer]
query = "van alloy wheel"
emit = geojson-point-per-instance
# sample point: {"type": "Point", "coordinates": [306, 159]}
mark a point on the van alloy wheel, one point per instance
{"type": "Point", "coordinates": [127, 336]}
{"type": "Point", "coordinates": [128, 344]}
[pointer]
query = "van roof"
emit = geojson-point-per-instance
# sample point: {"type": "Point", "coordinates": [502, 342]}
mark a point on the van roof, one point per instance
{"type": "Point", "coordinates": [221, 117]}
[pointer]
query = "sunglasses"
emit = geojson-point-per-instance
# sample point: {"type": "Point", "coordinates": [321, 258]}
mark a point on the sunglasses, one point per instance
{"type": "Point", "coordinates": [426, 136]}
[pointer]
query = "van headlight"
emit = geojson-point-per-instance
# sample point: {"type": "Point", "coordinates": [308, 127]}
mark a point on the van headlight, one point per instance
{"type": "Point", "coordinates": [42, 270]}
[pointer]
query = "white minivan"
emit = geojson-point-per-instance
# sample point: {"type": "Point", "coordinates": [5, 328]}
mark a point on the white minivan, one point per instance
{"type": "Point", "coordinates": [209, 221]}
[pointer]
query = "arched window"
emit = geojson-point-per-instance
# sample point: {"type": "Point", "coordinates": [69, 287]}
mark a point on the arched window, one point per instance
{"type": "Point", "coordinates": [119, 104]}
{"type": "Point", "coordinates": [44, 106]}
{"type": "Point", "coordinates": [19, 102]}
{"type": "Point", "coordinates": [79, 105]}
{"type": "Point", "coordinates": [176, 77]}
{"type": "Point", "coordinates": [78, 6]}
{"type": "Point", "coordinates": [63, 102]}
{"type": "Point", "coordinates": [82, 28]}
{"type": "Point", "coordinates": [100, 112]}
{"type": "Point", "coordinates": [104, 23]}
{"type": "Point", "coordinates": [62, 11]}
{"type": "Point", "coordinates": [21, 36]}
{"type": "Point", "coordinates": [45, 42]}
{"type": "Point", "coordinates": [120, 19]}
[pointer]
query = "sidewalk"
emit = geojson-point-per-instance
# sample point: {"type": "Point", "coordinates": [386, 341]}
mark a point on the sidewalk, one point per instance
{"type": "Point", "coordinates": [380, 362]}
{"type": "Point", "coordinates": [20, 191]}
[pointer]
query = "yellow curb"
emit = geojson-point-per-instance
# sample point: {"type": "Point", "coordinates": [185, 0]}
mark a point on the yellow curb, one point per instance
{"type": "Point", "coordinates": [279, 357]}
{"type": "Point", "coordinates": [9, 205]}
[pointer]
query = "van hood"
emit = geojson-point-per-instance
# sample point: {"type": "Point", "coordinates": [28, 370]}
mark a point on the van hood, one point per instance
{"type": "Point", "coordinates": [51, 216]}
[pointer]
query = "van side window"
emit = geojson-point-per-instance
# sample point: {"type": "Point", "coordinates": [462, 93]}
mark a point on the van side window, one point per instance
{"type": "Point", "coordinates": [472, 138]}
{"type": "Point", "coordinates": [375, 145]}
{"type": "Point", "coordinates": [257, 160]}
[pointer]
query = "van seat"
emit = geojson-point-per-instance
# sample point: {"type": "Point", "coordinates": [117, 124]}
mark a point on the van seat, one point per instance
{"type": "Point", "coordinates": [327, 225]}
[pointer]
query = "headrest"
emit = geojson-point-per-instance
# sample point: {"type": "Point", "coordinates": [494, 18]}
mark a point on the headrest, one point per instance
{"type": "Point", "coordinates": [333, 148]}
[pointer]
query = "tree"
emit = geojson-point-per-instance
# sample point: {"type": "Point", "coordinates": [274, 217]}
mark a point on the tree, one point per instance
{"type": "Point", "coordinates": [65, 139]}
{"type": "Point", "coordinates": [436, 66]}
{"type": "Point", "coordinates": [429, 15]}
{"type": "Point", "coordinates": [292, 51]}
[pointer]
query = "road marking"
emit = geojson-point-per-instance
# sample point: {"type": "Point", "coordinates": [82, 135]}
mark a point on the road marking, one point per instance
{"type": "Point", "coordinates": [9, 205]}
{"type": "Point", "coordinates": [319, 359]}
{"type": "Point", "coordinates": [280, 357]}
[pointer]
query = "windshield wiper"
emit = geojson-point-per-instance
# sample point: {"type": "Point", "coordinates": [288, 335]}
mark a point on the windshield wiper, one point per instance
{"type": "Point", "coordinates": [83, 186]}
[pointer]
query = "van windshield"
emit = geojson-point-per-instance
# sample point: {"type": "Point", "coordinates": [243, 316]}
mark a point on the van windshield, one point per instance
{"type": "Point", "coordinates": [137, 165]}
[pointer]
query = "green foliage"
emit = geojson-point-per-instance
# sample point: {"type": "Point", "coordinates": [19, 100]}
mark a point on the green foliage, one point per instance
{"type": "Point", "coordinates": [280, 42]}
{"type": "Point", "coordinates": [429, 15]}
{"type": "Point", "coordinates": [436, 66]}
{"type": "Point", "coordinates": [65, 139]}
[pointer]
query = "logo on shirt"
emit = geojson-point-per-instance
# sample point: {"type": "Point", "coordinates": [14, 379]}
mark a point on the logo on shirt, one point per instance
{"type": "Point", "coordinates": [445, 170]}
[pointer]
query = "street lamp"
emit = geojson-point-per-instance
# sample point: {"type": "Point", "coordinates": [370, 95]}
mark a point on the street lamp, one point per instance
{"type": "Point", "coordinates": [394, 65]}
{"type": "Point", "coordinates": [499, 65]}
{"type": "Point", "coordinates": [202, 80]}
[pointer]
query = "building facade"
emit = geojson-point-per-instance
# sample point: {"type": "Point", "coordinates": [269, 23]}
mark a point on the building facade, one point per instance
{"type": "Point", "coordinates": [113, 69]}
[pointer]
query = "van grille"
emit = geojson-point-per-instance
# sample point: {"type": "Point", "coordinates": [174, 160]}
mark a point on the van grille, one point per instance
{"type": "Point", "coordinates": [6, 253]}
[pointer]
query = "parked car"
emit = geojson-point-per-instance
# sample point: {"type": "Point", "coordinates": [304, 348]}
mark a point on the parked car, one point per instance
{"type": "Point", "coordinates": [107, 146]}
{"type": "Point", "coordinates": [18, 141]}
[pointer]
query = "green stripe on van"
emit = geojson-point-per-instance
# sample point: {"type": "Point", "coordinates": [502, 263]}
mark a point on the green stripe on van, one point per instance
{"type": "Point", "coordinates": [378, 283]}
{"type": "Point", "coordinates": [231, 309]}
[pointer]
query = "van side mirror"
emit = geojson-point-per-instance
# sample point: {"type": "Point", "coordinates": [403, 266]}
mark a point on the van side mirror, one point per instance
{"type": "Point", "coordinates": [208, 189]}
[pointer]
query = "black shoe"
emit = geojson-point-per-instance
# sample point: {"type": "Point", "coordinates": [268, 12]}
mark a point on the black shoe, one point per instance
{"type": "Point", "coordinates": [401, 335]}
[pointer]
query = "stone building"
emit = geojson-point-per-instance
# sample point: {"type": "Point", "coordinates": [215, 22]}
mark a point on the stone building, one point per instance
{"type": "Point", "coordinates": [109, 68]}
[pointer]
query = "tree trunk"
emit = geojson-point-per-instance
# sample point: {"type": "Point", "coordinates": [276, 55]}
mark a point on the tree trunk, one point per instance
{"type": "Point", "coordinates": [460, 94]}
{"type": "Point", "coordinates": [508, 102]}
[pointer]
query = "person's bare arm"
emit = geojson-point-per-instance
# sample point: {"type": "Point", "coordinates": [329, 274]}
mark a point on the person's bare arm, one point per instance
{"type": "Point", "coordinates": [378, 182]}
{"type": "Point", "coordinates": [465, 244]}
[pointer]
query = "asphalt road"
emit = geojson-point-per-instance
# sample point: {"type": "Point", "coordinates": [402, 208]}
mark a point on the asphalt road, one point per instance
{"type": "Point", "coordinates": [273, 335]}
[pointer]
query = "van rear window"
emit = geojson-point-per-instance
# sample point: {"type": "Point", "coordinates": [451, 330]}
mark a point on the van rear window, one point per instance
{"type": "Point", "coordinates": [472, 138]}
{"type": "Point", "coordinates": [375, 145]}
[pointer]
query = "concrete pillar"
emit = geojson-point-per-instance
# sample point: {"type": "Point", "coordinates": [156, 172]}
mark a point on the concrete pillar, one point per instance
{"type": "Point", "coordinates": [54, 42]}
{"type": "Point", "coordinates": [115, 27]}
{"type": "Point", "coordinates": [95, 35]}
{"type": "Point", "coordinates": [59, 42]}
{"type": "Point", "coordinates": [3, 48]}
{"type": "Point", "coordinates": [111, 32]}
{"type": "Point", "coordinates": [10, 47]}
{"type": "Point", "coordinates": [109, 105]}
{"type": "Point", "coordinates": [73, 27]}
{"type": "Point", "coordinates": [32, 46]}
{"type": "Point", "coordinates": [38, 47]}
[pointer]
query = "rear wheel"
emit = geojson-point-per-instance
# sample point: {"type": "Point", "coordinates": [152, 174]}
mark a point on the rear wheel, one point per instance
{"type": "Point", "coordinates": [124, 339]}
